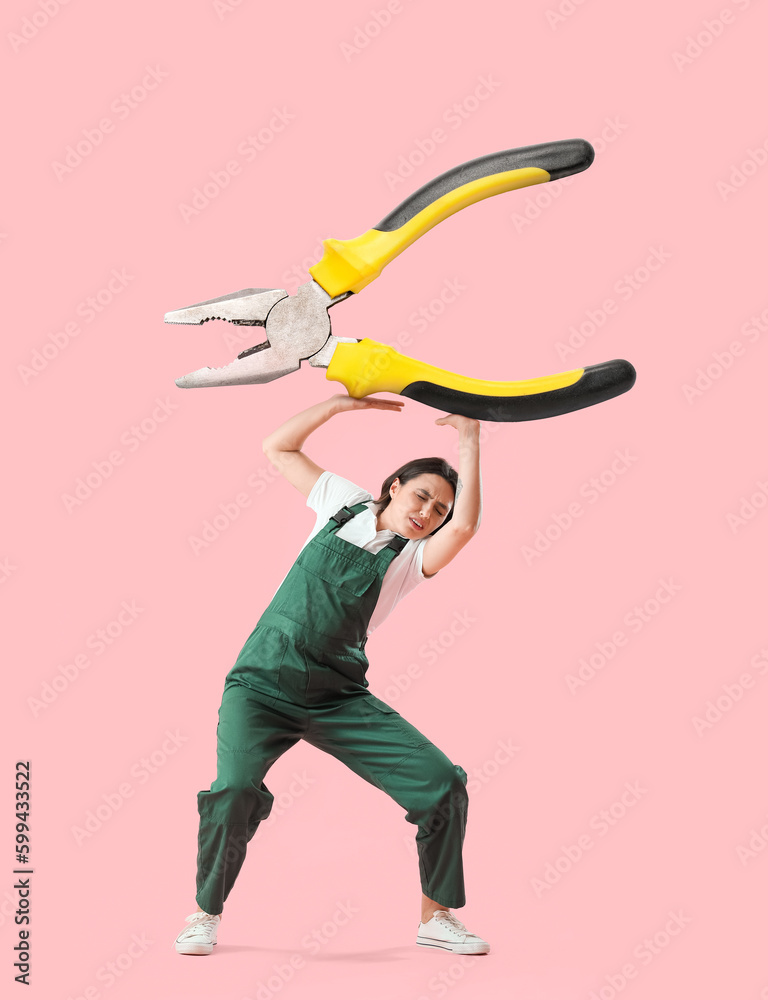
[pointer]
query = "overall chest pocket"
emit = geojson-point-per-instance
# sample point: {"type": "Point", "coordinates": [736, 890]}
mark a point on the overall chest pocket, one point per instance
{"type": "Point", "coordinates": [353, 574]}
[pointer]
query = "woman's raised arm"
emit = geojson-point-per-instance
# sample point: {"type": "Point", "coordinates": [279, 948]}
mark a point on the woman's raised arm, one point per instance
{"type": "Point", "coordinates": [467, 510]}
{"type": "Point", "coordinates": [283, 446]}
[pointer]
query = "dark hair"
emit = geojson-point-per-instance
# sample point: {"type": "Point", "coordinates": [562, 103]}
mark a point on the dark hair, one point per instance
{"type": "Point", "coordinates": [419, 467]}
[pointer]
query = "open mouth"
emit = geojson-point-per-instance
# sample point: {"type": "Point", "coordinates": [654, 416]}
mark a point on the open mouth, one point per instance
{"type": "Point", "coordinates": [416, 524]}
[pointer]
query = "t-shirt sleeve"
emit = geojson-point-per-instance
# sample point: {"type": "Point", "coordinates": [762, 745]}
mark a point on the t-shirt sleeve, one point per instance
{"type": "Point", "coordinates": [331, 492]}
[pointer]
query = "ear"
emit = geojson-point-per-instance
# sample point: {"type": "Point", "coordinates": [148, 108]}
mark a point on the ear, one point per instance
{"type": "Point", "coordinates": [395, 486]}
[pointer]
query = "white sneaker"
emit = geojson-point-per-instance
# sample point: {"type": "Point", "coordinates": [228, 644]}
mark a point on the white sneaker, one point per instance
{"type": "Point", "coordinates": [445, 930]}
{"type": "Point", "coordinates": [200, 936]}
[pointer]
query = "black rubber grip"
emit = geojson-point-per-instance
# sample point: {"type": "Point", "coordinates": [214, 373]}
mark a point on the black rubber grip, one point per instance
{"type": "Point", "coordinates": [567, 156]}
{"type": "Point", "coordinates": [598, 383]}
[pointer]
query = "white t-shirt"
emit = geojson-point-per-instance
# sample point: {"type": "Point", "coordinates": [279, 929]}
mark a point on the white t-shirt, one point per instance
{"type": "Point", "coordinates": [329, 494]}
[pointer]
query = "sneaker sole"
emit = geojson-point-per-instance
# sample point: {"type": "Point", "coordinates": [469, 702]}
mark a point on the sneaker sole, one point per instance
{"type": "Point", "coordinates": [195, 949]}
{"type": "Point", "coordinates": [458, 949]}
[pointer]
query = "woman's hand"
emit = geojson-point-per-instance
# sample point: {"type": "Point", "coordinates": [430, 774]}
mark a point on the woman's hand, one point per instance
{"type": "Point", "coordinates": [464, 425]}
{"type": "Point", "coordinates": [342, 402]}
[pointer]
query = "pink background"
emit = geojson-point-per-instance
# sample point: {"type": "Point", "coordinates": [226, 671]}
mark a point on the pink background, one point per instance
{"type": "Point", "coordinates": [682, 145]}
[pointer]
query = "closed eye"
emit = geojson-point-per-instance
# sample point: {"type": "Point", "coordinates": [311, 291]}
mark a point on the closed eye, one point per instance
{"type": "Point", "coordinates": [438, 507]}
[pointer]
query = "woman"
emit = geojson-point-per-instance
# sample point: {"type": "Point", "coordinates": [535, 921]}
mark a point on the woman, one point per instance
{"type": "Point", "coordinates": [301, 673]}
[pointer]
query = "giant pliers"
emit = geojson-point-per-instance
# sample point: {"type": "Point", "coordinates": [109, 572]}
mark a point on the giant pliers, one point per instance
{"type": "Point", "coordinates": [298, 328]}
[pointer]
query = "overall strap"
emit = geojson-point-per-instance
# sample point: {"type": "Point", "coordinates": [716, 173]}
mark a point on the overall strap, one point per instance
{"type": "Point", "coordinates": [345, 514]}
{"type": "Point", "coordinates": [341, 517]}
{"type": "Point", "coordinates": [397, 543]}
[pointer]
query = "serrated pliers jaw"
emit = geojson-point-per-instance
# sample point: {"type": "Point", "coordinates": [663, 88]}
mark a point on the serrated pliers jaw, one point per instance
{"type": "Point", "coordinates": [297, 327]}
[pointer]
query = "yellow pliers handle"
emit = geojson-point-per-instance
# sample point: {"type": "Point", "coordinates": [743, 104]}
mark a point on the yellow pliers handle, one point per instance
{"type": "Point", "coordinates": [366, 366]}
{"type": "Point", "coordinates": [350, 265]}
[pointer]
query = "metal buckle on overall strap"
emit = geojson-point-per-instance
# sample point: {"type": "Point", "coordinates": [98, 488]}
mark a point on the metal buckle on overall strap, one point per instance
{"type": "Point", "coordinates": [397, 543]}
{"type": "Point", "coordinates": [342, 516]}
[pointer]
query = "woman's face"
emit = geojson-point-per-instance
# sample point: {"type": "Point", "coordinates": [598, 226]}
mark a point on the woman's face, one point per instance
{"type": "Point", "coordinates": [419, 506]}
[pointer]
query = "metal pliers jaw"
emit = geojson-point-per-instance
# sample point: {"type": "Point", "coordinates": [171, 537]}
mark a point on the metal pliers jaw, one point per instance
{"type": "Point", "coordinates": [298, 327]}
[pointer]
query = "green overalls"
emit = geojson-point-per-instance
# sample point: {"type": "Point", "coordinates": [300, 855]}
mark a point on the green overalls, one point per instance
{"type": "Point", "coordinates": [301, 675]}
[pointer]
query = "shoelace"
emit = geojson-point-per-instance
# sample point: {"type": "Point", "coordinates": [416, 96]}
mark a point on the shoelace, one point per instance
{"type": "Point", "coordinates": [451, 921]}
{"type": "Point", "coordinates": [198, 923]}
